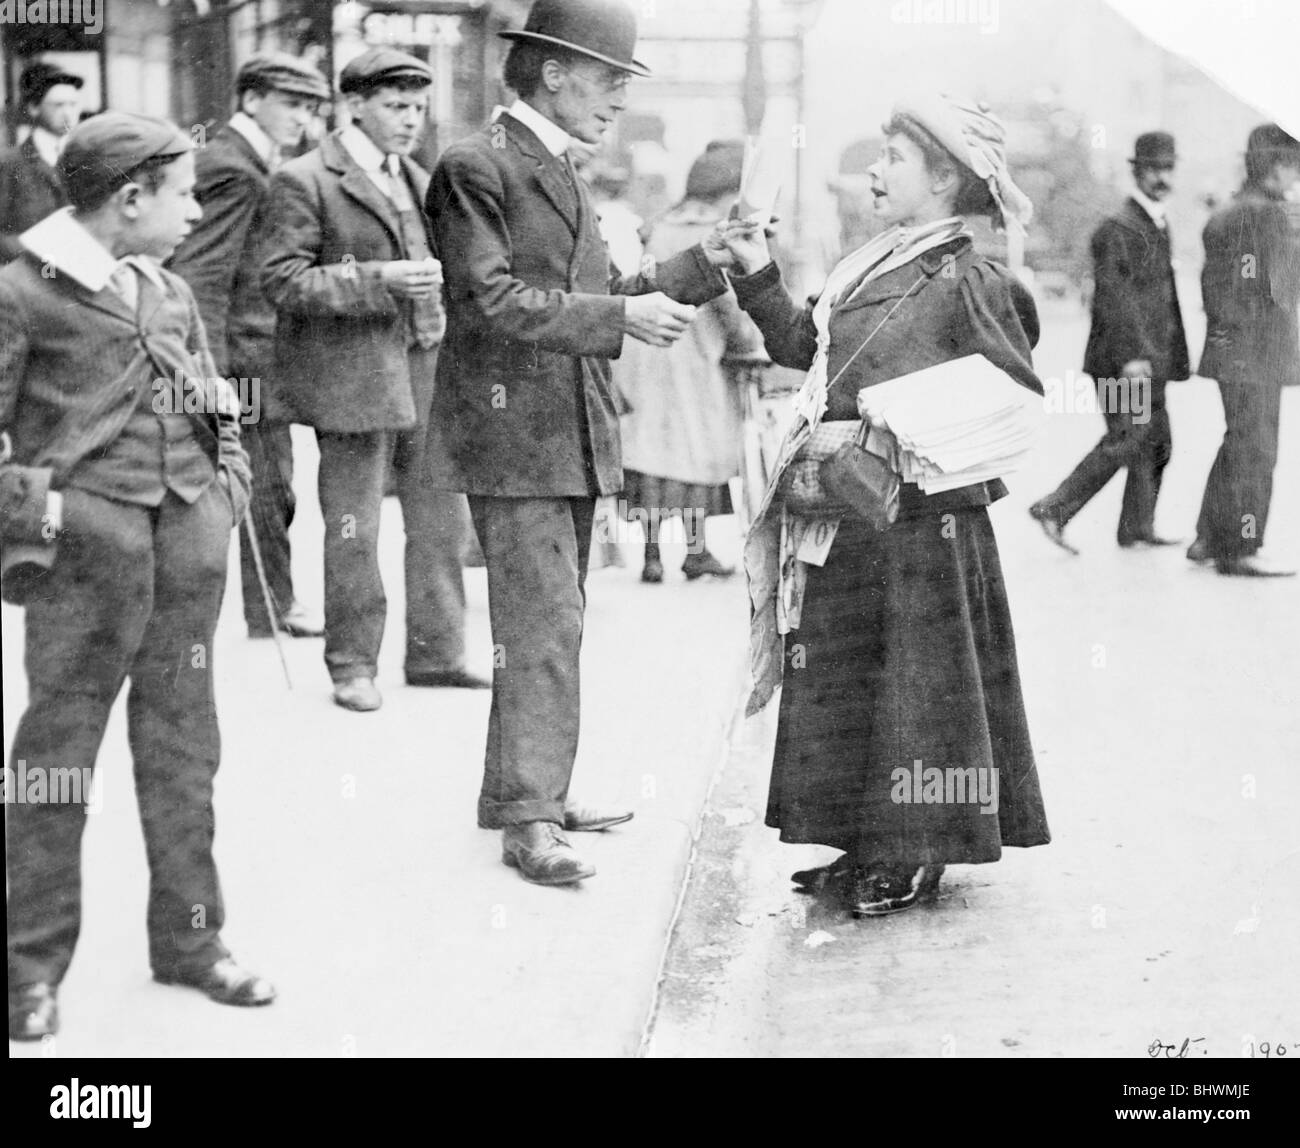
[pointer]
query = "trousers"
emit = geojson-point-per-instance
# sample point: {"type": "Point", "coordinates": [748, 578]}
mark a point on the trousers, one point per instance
{"type": "Point", "coordinates": [1144, 448]}
{"type": "Point", "coordinates": [271, 513]}
{"type": "Point", "coordinates": [536, 551]}
{"type": "Point", "coordinates": [134, 592]}
{"type": "Point", "coordinates": [1239, 490]}
{"type": "Point", "coordinates": [353, 472]}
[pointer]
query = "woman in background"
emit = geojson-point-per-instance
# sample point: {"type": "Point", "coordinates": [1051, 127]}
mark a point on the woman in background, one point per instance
{"type": "Point", "coordinates": [682, 437]}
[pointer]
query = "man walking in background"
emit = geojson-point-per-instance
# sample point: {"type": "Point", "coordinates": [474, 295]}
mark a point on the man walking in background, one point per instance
{"type": "Point", "coordinates": [277, 94]}
{"type": "Point", "coordinates": [1136, 345]}
{"type": "Point", "coordinates": [1251, 287]}
{"type": "Point", "coordinates": [30, 185]}
{"type": "Point", "coordinates": [348, 267]}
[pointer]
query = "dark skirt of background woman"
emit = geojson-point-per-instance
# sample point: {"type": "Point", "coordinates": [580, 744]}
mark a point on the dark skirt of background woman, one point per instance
{"type": "Point", "coordinates": [905, 654]}
{"type": "Point", "coordinates": [670, 496]}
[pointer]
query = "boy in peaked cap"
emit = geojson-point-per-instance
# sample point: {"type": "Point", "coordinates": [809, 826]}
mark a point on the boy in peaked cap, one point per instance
{"type": "Point", "coordinates": [30, 187]}
{"type": "Point", "coordinates": [117, 498]}
{"type": "Point", "coordinates": [349, 269]}
{"type": "Point", "coordinates": [277, 95]}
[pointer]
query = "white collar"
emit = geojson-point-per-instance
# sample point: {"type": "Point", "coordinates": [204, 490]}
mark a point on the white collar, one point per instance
{"type": "Point", "coordinates": [554, 138]}
{"type": "Point", "coordinates": [48, 145]}
{"type": "Point", "coordinates": [60, 240]}
{"type": "Point", "coordinates": [266, 148]}
{"type": "Point", "coordinates": [362, 149]}
{"type": "Point", "coordinates": [1155, 210]}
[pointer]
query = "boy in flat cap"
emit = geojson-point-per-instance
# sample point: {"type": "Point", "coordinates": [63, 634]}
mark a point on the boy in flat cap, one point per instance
{"type": "Point", "coordinates": [30, 187]}
{"type": "Point", "coordinates": [221, 260]}
{"type": "Point", "coordinates": [524, 409]}
{"type": "Point", "coordinates": [121, 502]}
{"type": "Point", "coordinates": [1136, 346]}
{"type": "Point", "coordinates": [348, 267]}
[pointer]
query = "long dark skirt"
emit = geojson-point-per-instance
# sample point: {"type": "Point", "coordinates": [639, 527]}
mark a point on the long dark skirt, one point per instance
{"type": "Point", "coordinates": [901, 691]}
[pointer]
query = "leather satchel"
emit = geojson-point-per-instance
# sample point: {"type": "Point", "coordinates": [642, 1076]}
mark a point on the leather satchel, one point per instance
{"type": "Point", "coordinates": [801, 485]}
{"type": "Point", "coordinates": [864, 482]}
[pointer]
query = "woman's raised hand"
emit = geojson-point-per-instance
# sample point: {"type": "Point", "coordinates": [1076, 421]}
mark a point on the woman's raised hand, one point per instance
{"type": "Point", "coordinates": [739, 244]}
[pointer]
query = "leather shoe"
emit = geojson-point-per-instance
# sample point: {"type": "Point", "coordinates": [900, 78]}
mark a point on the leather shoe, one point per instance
{"type": "Point", "coordinates": [1199, 551]}
{"type": "Point", "coordinates": [543, 855]}
{"type": "Point", "coordinates": [814, 880]}
{"type": "Point", "coordinates": [584, 819]}
{"type": "Point", "coordinates": [1149, 540]}
{"type": "Point", "coordinates": [296, 621]}
{"type": "Point", "coordinates": [1251, 566]}
{"type": "Point", "coordinates": [1052, 526]}
{"type": "Point", "coordinates": [698, 565]}
{"type": "Point", "coordinates": [224, 982]}
{"type": "Point", "coordinates": [357, 694]}
{"type": "Point", "coordinates": [452, 679]}
{"type": "Point", "coordinates": [33, 1011]}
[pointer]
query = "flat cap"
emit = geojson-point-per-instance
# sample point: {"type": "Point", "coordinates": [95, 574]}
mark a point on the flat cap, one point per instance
{"type": "Point", "coordinates": [40, 77]}
{"type": "Point", "coordinates": [378, 66]}
{"type": "Point", "coordinates": [102, 152]}
{"type": "Point", "coordinates": [283, 72]}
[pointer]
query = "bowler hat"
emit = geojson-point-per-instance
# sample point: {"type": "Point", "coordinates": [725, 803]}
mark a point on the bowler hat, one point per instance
{"type": "Point", "coordinates": [284, 73]}
{"type": "Point", "coordinates": [379, 66]}
{"type": "Point", "coordinates": [40, 77]}
{"type": "Point", "coordinates": [1154, 149]}
{"type": "Point", "coordinates": [601, 29]}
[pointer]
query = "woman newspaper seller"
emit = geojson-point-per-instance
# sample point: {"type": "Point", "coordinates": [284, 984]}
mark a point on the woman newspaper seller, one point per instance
{"type": "Point", "coordinates": [895, 645]}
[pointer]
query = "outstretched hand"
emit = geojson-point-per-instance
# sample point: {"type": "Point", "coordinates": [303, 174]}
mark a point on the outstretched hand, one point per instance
{"type": "Point", "coordinates": [740, 245]}
{"type": "Point", "coordinates": [656, 319]}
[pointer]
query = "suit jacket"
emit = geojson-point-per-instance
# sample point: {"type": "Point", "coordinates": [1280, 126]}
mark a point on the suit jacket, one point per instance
{"type": "Point", "coordinates": [222, 261]}
{"type": "Point", "coordinates": [74, 363]}
{"type": "Point", "coordinates": [524, 405]}
{"type": "Point", "coordinates": [1250, 285]}
{"type": "Point", "coordinates": [29, 190]}
{"type": "Point", "coordinates": [341, 339]}
{"type": "Point", "coordinates": [1135, 312]}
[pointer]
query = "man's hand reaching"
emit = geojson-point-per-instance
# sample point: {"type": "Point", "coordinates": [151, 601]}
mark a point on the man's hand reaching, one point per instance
{"type": "Point", "coordinates": [656, 319]}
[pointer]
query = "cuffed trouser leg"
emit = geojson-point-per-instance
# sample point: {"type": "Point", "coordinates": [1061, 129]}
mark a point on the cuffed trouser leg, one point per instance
{"type": "Point", "coordinates": [536, 551]}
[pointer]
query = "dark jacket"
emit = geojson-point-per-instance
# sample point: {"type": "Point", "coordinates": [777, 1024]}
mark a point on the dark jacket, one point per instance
{"type": "Point", "coordinates": [524, 404]}
{"type": "Point", "coordinates": [341, 339]}
{"type": "Point", "coordinates": [222, 260]}
{"type": "Point", "coordinates": [1135, 312]}
{"type": "Point", "coordinates": [965, 304]}
{"type": "Point", "coordinates": [1250, 285]}
{"type": "Point", "coordinates": [29, 190]}
{"type": "Point", "coordinates": [72, 361]}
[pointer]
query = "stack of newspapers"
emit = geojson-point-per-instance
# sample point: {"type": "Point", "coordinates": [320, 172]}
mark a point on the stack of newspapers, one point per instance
{"type": "Point", "coordinates": [951, 425]}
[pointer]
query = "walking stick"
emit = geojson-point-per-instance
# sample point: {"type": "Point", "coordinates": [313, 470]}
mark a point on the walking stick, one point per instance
{"type": "Point", "coordinates": [266, 597]}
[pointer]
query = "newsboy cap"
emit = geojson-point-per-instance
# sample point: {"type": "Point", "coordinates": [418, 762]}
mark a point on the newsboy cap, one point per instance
{"type": "Point", "coordinates": [379, 66]}
{"type": "Point", "coordinates": [1154, 149]}
{"type": "Point", "coordinates": [605, 30]}
{"type": "Point", "coordinates": [40, 77]}
{"type": "Point", "coordinates": [102, 152]}
{"type": "Point", "coordinates": [284, 73]}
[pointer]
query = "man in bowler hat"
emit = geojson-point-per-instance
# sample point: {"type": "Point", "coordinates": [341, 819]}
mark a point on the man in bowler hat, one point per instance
{"type": "Point", "coordinates": [30, 187]}
{"type": "Point", "coordinates": [1136, 345]}
{"type": "Point", "coordinates": [524, 417]}
{"type": "Point", "coordinates": [133, 500]}
{"type": "Point", "coordinates": [277, 95]}
{"type": "Point", "coordinates": [1251, 287]}
{"type": "Point", "coordinates": [347, 265]}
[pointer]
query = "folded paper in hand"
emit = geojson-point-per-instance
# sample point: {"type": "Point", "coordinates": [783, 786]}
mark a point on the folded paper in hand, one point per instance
{"type": "Point", "coordinates": [951, 425]}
